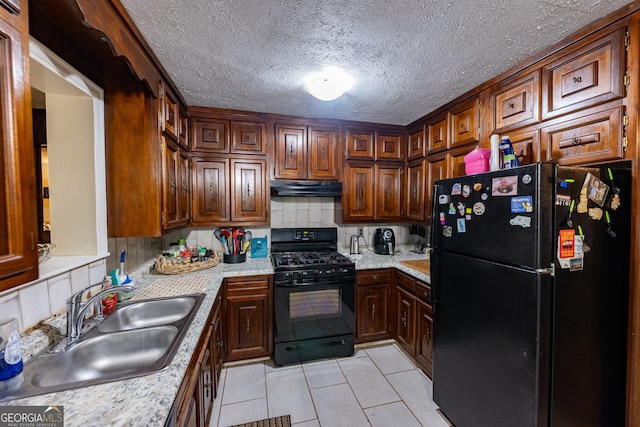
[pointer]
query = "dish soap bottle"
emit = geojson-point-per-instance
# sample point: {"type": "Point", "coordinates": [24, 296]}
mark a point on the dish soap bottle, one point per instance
{"type": "Point", "coordinates": [10, 355]}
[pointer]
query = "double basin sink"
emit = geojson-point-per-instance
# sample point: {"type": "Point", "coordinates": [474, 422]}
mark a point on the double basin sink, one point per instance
{"type": "Point", "coordinates": [139, 338]}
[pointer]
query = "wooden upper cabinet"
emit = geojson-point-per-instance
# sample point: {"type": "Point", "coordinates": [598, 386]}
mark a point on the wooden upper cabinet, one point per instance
{"type": "Point", "coordinates": [210, 183]}
{"type": "Point", "coordinates": [209, 135]}
{"type": "Point", "coordinates": [438, 133]}
{"type": "Point", "coordinates": [183, 130]}
{"type": "Point", "coordinates": [248, 138]}
{"type": "Point", "coordinates": [323, 154]}
{"type": "Point", "coordinates": [360, 145]}
{"type": "Point", "coordinates": [589, 138]}
{"type": "Point", "coordinates": [170, 112]}
{"type": "Point", "coordinates": [291, 152]}
{"type": "Point", "coordinates": [171, 184]}
{"type": "Point", "coordinates": [591, 73]}
{"type": "Point", "coordinates": [456, 160]}
{"type": "Point", "coordinates": [249, 190]}
{"type": "Point", "coordinates": [526, 145]}
{"type": "Point", "coordinates": [388, 179]}
{"type": "Point", "coordinates": [436, 170]}
{"type": "Point", "coordinates": [516, 103]}
{"type": "Point", "coordinates": [416, 144]}
{"type": "Point", "coordinates": [184, 187]}
{"type": "Point", "coordinates": [18, 217]}
{"type": "Point", "coordinates": [416, 181]}
{"type": "Point", "coordinates": [465, 119]}
{"type": "Point", "coordinates": [389, 147]}
{"type": "Point", "coordinates": [359, 195]}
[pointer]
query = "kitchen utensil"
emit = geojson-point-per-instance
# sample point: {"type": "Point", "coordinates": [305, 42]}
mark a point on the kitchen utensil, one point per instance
{"type": "Point", "coordinates": [569, 220]}
{"type": "Point", "coordinates": [585, 247]}
{"type": "Point", "coordinates": [615, 189]}
{"type": "Point", "coordinates": [354, 248]}
{"type": "Point", "coordinates": [225, 246]}
{"type": "Point", "coordinates": [217, 233]}
{"type": "Point", "coordinates": [609, 230]}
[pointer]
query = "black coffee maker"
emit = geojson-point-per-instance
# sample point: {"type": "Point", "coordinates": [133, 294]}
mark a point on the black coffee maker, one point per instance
{"type": "Point", "coordinates": [384, 241]}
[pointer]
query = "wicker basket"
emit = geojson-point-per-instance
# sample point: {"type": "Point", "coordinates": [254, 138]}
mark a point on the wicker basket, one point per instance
{"type": "Point", "coordinates": [162, 266]}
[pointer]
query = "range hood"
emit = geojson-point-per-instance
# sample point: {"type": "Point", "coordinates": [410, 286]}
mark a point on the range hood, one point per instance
{"type": "Point", "coordinates": [306, 188]}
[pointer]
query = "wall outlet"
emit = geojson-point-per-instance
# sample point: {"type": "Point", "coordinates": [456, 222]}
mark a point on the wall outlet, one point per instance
{"type": "Point", "coordinates": [360, 232]}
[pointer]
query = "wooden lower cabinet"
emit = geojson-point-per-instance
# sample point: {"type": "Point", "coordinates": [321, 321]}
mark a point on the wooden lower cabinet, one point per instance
{"type": "Point", "coordinates": [405, 321]}
{"type": "Point", "coordinates": [373, 297]}
{"type": "Point", "coordinates": [248, 317]}
{"type": "Point", "coordinates": [424, 343]}
{"type": "Point", "coordinates": [194, 401]}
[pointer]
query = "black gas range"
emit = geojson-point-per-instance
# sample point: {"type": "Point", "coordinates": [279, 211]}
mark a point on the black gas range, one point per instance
{"type": "Point", "coordinates": [313, 295]}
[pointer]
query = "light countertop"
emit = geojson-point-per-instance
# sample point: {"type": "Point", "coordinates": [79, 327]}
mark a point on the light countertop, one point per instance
{"type": "Point", "coordinates": [148, 400]}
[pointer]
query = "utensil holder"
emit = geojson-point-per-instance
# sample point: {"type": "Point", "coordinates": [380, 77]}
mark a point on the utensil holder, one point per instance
{"type": "Point", "coordinates": [234, 258]}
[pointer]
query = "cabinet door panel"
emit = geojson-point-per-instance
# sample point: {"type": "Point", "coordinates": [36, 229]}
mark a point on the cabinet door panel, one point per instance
{"type": "Point", "coordinates": [323, 147]}
{"type": "Point", "coordinates": [516, 103]}
{"type": "Point", "coordinates": [209, 135]}
{"type": "Point", "coordinates": [18, 217]}
{"type": "Point", "coordinates": [360, 194]}
{"type": "Point", "coordinates": [184, 187]}
{"type": "Point", "coordinates": [405, 328]}
{"type": "Point", "coordinates": [416, 191]}
{"type": "Point", "coordinates": [360, 145]}
{"type": "Point", "coordinates": [372, 312]}
{"type": "Point", "coordinates": [438, 134]}
{"type": "Point", "coordinates": [416, 145]}
{"type": "Point", "coordinates": [389, 192]}
{"type": "Point", "coordinates": [593, 138]}
{"type": "Point", "coordinates": [210, 200]}
{"type": "Point", "coordinates": [171, 183]}
{"type": "Point", "coordinates": [389, 147]}
{"type": "Point", "coordinates": [249, 188]}
{"type": "Point", "coordinates": [291, 155]}
{"type": "Point", "coordinates": [437, 170]}
{"type": "Point", "coordinates": [590, 74]}
{"type": "Point", "coordinates": [248, 138]}
{"type": "Point", "coordinates": [464, 129]}
{"type": "Point", "coordinates": [247, 328]}
{"type": "Point", "coordinates": [424, 350]}
{"type": "Point", "coordinates": [456, 160]}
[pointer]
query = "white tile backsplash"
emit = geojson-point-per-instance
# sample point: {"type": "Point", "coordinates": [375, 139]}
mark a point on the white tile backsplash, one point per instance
{"type": "Point", "coordinates": [59, 291]}
{"type": "Point", "coordinates": [34, 303]}
{"type": "Point", "coordinates": [10, 307]}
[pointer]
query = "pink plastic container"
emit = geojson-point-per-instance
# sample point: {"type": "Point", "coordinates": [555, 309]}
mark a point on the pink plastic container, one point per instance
{"type": "Point", "coordinates": [477, 161]}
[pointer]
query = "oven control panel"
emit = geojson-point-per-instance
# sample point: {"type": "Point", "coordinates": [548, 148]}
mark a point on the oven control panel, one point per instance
{"type": "Point", "coordinates": [305, 235]}
{"type": "Point", "coordinates": [327, 273]}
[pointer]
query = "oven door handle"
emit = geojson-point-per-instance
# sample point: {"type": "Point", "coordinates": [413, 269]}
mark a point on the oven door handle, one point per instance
{"type": "Point", "coordinates": [299, 347]}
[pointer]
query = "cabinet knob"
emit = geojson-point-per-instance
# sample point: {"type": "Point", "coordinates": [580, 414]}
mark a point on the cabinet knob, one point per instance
{"type": "Point", "coordinates": [373, 312]}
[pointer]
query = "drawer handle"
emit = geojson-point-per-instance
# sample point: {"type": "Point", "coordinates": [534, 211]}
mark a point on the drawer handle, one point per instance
{"type": "Point", "coordinates": [577, 79]}
{"type": "Point", "coordinates": [248, 325]}
{"type": "Point", "coordinates": [404, 319]}
{"type": "Point", "coordinates": [373, 312]}
{"type": "Point", "coordinates": [427, 336]}
{"type": "Point", "coordinates": [322, 153]}
{"type": "Point", "coordinates": [580, 140]}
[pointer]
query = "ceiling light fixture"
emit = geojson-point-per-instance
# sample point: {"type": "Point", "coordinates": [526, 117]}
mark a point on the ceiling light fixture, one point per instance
{"type": "Point", "coordinates": [329, 84]}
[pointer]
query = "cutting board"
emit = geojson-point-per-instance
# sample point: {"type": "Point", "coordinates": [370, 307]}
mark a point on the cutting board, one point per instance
{"type": "Point", "coordinates": [422, 265]}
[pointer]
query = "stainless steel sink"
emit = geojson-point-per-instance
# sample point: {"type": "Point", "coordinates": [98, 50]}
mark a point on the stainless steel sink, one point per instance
{"type": "Point", "coordinates": [148, 313]}
{"type": "Point", "coordinates": [109, 354]}
{"type": "Point", "coordinates": [139, 338]}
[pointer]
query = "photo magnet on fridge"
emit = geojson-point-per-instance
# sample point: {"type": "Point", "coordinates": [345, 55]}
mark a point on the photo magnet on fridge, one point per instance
{"type": "Point", "coordinates": [596, 189]}
{"type": "Point", "coordinates": [504, 186]}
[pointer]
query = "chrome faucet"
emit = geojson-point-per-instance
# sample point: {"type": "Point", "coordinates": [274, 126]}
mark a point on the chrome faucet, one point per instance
{"type": "Point", "coordinates": [76, 308]}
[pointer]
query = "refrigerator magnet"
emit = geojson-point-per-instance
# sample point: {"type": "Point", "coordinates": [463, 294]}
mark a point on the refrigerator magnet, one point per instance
{"type": "Point", "coordinates": [478, 208]}
{"type": "Point", "coordinates": [596, 189]}
{"type": "Point", "coordinates": [563, 200]}
{"type": "Point", "coordinates": [466, 191]}
{"type": "Point", "coordinates": [521, 204]}
{"type": "Point", "coordinates": [456, 190]}
{"type": "Point", "coordinates": [462, 225]}
{"type": "Point", "coordinates": [447, 231]}
{"type": "Point", "coordinates": [460, 207]}
{"type": "Point", "coordinates": [522, 221]}
{"type": "Point", "coordinates": [504, 186]}
{"type": "Point", "coordinates": [566, 243]}
{"type": "Point", "coordinates": [452, 209]}
{"type": "Point", "coordinates": [477, 186]}
{"type": "Point", "coordinates": [441, 218]}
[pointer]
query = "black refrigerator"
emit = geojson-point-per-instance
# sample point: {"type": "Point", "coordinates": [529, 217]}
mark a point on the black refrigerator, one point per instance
{"type": "Point", "coordinates": [530, 275]}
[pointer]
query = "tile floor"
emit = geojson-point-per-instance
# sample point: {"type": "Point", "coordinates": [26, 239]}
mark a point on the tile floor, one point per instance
{"type": "Point", "coordinates": [379, 386]}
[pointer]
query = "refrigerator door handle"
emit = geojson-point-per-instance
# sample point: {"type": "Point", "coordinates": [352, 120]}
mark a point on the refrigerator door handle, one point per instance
{"type": "Point", "coordinates": [551, 270]}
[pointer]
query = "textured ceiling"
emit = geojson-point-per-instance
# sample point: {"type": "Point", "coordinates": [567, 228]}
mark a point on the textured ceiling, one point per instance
{"type": "Point", "coordinates": [408, 57]}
